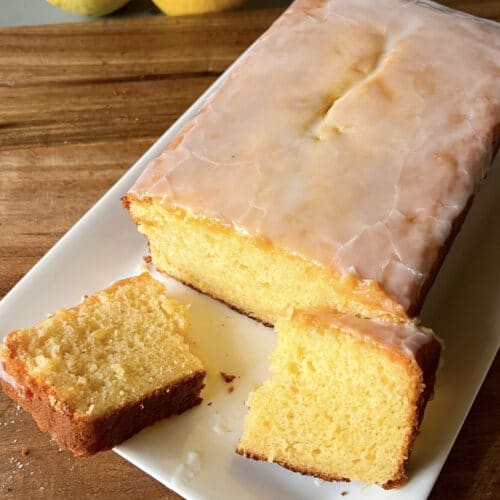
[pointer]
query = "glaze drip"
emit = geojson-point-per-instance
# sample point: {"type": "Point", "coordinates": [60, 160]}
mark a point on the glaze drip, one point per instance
{"type": "Point", "coordinates": [407, 338]}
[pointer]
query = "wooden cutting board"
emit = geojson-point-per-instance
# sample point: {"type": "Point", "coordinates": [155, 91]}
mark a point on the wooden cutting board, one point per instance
{"type": "Point", "coordinates": [79, 103]}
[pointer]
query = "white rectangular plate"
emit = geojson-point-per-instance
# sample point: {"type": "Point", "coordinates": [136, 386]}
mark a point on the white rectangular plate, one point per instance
{"type": "Point", "coordinates": [194, 453]}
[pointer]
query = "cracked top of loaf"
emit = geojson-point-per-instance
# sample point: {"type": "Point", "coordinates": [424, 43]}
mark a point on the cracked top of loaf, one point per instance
{"type": "Point", "coordinates": [353, 134]}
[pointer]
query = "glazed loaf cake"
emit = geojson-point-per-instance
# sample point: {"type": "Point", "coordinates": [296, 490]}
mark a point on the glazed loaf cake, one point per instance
{"type": "Point", "coordinates": [332, 169]}
{"type": "Point", "coordinates": [334, 164]}
{"type": "Point", "coordinates": [96, 374]}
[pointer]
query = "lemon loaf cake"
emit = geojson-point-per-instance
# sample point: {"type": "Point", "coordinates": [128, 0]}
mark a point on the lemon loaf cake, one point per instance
{"type": "Point", "coordinates": [332, 167]}
{"type": "Point", "coordinates": [346, 397]}
{"type": "Point", "coordinates": [96, 374]}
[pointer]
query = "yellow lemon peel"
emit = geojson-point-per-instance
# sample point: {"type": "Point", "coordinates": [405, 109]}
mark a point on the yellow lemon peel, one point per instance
{"type": "Point", "coordinates": [187, 7]}
{"type": "Point", "coordinates": [89, 7]}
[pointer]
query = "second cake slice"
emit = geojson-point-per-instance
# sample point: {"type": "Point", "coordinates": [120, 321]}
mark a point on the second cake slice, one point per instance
{"type": "Point", "coordinates": [346, 397]}
{"type": "Point", "coordinates": [96, 374]}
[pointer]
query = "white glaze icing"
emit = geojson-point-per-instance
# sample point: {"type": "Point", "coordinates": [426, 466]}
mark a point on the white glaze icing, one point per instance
{"type": "Point", "coordinates": [353, 134]}
{"type": "Point", "coordinates": [407, 338]}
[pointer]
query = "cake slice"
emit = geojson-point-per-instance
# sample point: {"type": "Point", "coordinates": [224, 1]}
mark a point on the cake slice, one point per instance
{"type": "Point", "coordinates": [346, 397]}
{"type": "Point", "coordinates": [96, 374]}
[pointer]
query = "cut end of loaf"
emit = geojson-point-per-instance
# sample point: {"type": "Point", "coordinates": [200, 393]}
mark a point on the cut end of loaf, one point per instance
{"type": "Point", "coordinates": [265, 280]}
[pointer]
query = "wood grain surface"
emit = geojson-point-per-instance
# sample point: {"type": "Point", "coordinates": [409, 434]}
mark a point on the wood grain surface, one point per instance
{"type": "Point", "coordinates": [79, 103]}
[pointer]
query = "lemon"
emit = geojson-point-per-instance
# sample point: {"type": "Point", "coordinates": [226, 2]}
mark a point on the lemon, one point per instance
{"type": "Point", "coordinates": [89, 7]}
{"type": "Point", "coordinates": [184, 7]}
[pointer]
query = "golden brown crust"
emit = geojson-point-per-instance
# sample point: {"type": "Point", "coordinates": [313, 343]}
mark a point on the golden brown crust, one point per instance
{"type": "Point", "coordinates": [85, 435]}
{"type": "Point", "coordinates": [495, 141]}
{"type": "Point", "coordinates": [427, 361]}
{"type": "Point", "coordinates": [305, 471]}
